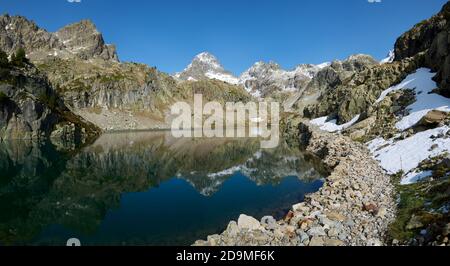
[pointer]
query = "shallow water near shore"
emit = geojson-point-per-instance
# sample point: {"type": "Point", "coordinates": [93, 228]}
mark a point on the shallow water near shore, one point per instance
{"type": "Point", "coordinates": [144, 188]}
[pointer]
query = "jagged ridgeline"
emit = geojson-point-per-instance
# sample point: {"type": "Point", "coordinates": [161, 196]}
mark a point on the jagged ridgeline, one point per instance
{"type": "Point", "coordinates": [344, 96]}
{"type": "Point", "coordinates": [85, 75]}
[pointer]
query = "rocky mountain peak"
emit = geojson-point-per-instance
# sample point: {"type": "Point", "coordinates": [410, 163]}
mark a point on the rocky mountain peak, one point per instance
{"type": "Point", "coordinates": [356, 62]}
{"type": "Point", "coordinates": [260, 68]}
{"type": "Point", "coordinates": [206, 66]}
{"type": "Point", "coordinates": [263, 78]}
{"type": "Point", "coordinates": [207, 59]}
{"type": "Point", "coordinates": [81, 40]}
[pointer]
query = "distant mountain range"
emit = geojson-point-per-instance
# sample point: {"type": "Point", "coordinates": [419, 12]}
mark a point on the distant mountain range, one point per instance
{"type": "Point", "coordinates": [262, 79]}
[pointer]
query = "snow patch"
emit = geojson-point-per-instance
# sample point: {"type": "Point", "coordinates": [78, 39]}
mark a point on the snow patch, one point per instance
{"type": "Point", "coordinates": [389, 59]}
{"type": "Point", "coordinates": [406, 155]}
{"type": "Point", "coordinates": [331, 126]}
{"type": "Point", "coordinates": [208, 59]}
{"type": "Point", "coordinates": [415, 177]}
{"type": "Point", "coordinates": [422, 83]}
{"type": "Point", "coordinates": [222, 77]}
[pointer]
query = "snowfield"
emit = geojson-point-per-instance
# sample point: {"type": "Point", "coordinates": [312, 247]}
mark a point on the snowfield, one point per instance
{"type": "Point", "coordinates": [422, 83]}
{"type": "Point", "coordinates": [406, 155]}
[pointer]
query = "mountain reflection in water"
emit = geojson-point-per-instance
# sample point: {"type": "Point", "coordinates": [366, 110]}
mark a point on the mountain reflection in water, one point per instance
{"type": "Point", "coordinates": [144, 188]}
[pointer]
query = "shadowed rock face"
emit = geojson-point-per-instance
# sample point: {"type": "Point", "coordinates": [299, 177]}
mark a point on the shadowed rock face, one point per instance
{"type": "Point", "coordinates": [432, 37]}
{"type": "Point", "coordinates": [81, 40]}
{"type": "Point", "coordinates": [31, 109]}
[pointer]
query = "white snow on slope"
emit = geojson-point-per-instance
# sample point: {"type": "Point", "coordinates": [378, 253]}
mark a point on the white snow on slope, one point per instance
{"type": "Point", "coordinates": [222, 77]}
{"type": "Point", "coordinates": [422, 83]}
{"type": "Point", "coordinates": [407, 154]}
{"type": "Point", "coordinates": [415, 176]}
{"type": "Point", "coordinates": [331, 126]}
{"type": "Point", "coordinates": [208, 59]}
{"type": "Point", "coordinates": [389, 59]}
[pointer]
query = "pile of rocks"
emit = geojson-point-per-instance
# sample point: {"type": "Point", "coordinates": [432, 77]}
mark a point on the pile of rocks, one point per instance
{"type": "Point", "coordinates": [354, 207]}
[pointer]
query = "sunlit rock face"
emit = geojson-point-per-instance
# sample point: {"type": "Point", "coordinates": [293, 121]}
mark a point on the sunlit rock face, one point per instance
{"type": "Point", "coordinates": [78, 40]}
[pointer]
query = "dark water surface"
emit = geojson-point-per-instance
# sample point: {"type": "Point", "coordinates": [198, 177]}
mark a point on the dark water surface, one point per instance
{"type": "Point", "coordinates": [144, 188]}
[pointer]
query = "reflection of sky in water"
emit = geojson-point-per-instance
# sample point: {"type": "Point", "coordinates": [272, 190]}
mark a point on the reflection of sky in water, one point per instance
{"type": "Point", "coordinates": [144, 188]}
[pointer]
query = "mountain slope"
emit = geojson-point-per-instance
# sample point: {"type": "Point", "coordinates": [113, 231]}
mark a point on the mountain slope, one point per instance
{"type": "Point", "coordinates": [431, 37]}
{"type": "Point", "coordinates": [401, 111]}
{"type": "Point", "coordinates": [96, 86]}
{"type": "Point", "coordinates": [30, 109]}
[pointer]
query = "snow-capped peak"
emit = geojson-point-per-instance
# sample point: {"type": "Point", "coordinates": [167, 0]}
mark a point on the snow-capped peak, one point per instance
{"type": "Point", "coordinates": [208, 59]}
{"type": "Point", "coordinates": [206, 66]}
{"type": "Point", "coordinates": [260, 80]}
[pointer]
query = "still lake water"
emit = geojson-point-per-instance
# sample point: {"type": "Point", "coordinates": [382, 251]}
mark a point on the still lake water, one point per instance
{"type": "Point", "coordinates": [144, 188]}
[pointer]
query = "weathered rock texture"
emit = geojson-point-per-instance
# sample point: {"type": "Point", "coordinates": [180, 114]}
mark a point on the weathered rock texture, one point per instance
{"type": "Point", "coordinates": [331, 77]}
{"type": "Point", "coordinates": [31, 109]}
{"type": "Point", "coordinates": [426, 45]}
{"type": "Point", "coordinates": [432, 37]}
{"type": "Point", "coordinates": [121, 96]}
{"type": "Point", "coordinates": [79, 40]}
{"type": "Point", "coordinates": [357, 94]}
{"type": "Point", "coordinates": [94, 85]}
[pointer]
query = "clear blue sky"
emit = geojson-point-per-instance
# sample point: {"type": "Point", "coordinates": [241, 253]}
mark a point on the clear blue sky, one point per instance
{"type": "Point", "coordinates": [168, 33]}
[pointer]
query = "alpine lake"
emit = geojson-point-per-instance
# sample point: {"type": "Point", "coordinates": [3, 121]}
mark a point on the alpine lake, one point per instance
{"type": "Point", "coordinates": [145, 188]}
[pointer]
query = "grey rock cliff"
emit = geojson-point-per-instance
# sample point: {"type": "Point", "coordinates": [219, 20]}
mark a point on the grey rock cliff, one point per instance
{"type": "Point", "coordinates": [328, 78]}
{"type": "Point", "coordinates": [30, 109]}
{"type": "Point", "coordinates": [80, 40]}
{"type": "Point", "coordinates": [432, 37]}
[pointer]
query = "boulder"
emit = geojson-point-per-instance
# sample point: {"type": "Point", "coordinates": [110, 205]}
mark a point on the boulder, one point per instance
{"type": "Point", "coordinates": [317, 242]}
{"type": "Point", "coordinates": [432, 119]}
{"type": "Point", "coordinates": [248, 223]}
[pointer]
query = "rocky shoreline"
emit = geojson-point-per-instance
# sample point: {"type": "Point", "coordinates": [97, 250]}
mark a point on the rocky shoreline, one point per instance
{"type": "Point", "coordinates": [353, 208]}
